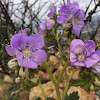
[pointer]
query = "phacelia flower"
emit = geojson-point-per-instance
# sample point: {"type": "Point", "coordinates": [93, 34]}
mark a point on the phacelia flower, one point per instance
{"type": "Point", "coordinates": [27, 49]}
{"type": "Point", "coordinates": [52, 13]}
{"type": "Point", "coordinates": [67, 12]}
{"type": "Point", "coordinates": [78, 21]}
{"type": "Point", "coordinates": [46, 26]}
{"type": "Point", "coordinates": [83, 54]}
{"type": "Point", "coordinates": [96, 67]}
{"type": "Point", "coordinates": [71, 13]}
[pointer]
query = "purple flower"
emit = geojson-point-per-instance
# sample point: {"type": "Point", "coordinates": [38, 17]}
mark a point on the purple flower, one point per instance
{"type": "Point", "coordinates": [83, 54]}
{"type": "Point", "coordinates": [71, 12]}
{"type": "Point", "coordinates": [67, 12]}
{"type": "Point", "coordinates": [96, 67]}
{"type": "Point", "coordinates": [27, 49]}
{"type": "Point", "coordinates": [46, 26]}
{"type": "Point", "coordinates": [78, 21]}
{"type": "Point", "coordinates": [52, 13]}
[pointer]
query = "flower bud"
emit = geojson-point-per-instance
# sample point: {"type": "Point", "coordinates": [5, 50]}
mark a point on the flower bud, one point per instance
{"type": "Point", "coordinates": [96, 68]}
{"type": "Point", "coordinates": [17, 80]}
{"type": "Point", "coordinates": [67, 26]}
{"type": "Point", "coordinates": [12, 64]}
{"type": "Point", "coordinates": [23, 72]}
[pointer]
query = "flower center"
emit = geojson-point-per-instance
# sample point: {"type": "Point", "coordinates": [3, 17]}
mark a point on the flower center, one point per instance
{"type": "Point", "coordinates": [26, 52]}
{"type": "Point", "coordinates": [81, 57]}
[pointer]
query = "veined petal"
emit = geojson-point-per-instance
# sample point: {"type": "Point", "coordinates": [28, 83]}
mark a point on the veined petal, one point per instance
{"type": "Point", "coordinates": [74, 7]}
{"type": "Point", "coordinates": [79, 64]}
{"type": "Point", "coordinates": [75, 43]}
{"type": "Point", "coordinates": [40, 56]}
{"type": "Point", "coordinates": [91, 60]}
{"type": "Point", "coordinates": [78, 26]}
{"type": "Point", "coordinates": [79, 15]}
{"type": "Point", "coordinates": [11, 51]}
{"type": "Point", "coordinates": [19, 40]}
{"type": "Point", "coordinates": [35, 41]}
{"type": "Point", "coordinates": [89, 47]}
{"type": "Point", "coordinates": [25, 61]}
{"type": "Point", "coordinates": [73, 57]}
{"type": "Point", "coordinates": [65, 10]}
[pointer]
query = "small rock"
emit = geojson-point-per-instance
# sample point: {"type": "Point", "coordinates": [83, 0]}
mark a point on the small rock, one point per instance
{"type": "Point", "coordinates": [8, 79]}
{"type": "Point", "coordinates": [48, 88]}
{"type": "Point", "coordinates": [82, 93]}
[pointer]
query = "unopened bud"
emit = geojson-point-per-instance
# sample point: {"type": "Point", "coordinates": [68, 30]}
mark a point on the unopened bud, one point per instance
{"type": "Point", "coordinates": [67, 26]}
{"type": "Point", "coordinates": [96, 68]}
{"type": "Point", "coordinates": [23, 72]}
{"type": "Point", "coordinates": [17, 80]}
{"type": "Point", "coordinates": [12, 64]}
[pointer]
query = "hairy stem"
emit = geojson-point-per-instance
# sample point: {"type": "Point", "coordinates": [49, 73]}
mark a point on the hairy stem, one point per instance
{"type": "Point", "coordinates": [62, 72]}
{"type": "Point", "coordinates": [53, 80]}
{"type": "Point", "coordinates": [68, 83]}
{"type": "Point", "coordinates": [40, 85]}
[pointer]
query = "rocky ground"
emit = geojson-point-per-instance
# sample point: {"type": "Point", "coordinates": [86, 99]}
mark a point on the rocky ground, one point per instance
{"type": "Point", "coordinates": [7, 85]}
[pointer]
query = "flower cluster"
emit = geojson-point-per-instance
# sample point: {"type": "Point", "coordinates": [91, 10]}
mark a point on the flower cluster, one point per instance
{"type": "Point", "coordinates": [27, 49]}
{"type": "Point", "coordinates": [72, 13]}
{"type": "Point", "coordinates": [83, 54]}
{"type": "Point", "coordinates": [46, 26]}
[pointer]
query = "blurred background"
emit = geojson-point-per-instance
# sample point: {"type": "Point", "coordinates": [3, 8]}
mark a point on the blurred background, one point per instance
{"type": "Point", "coordinates": [15, 14]}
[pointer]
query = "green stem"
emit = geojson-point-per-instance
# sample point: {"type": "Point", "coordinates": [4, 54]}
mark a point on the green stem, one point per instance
{"type": "Point", "coordinates": [59, 48]}
{"type": "Point", "coordinates": [97, 45]}
{"type": "Point", "coordinates": [62, 72]}
{"type": "Point", "coordinates": [67, 84]}
{"type": "Point", "coordinates": [53, 79]}
{"type": "Point", "coordinates": [40, 85]}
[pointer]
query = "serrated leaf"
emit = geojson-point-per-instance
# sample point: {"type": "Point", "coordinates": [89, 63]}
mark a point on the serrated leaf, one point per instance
{"type": "Point", "coordinates": [72, 96]}
{"type": "Point", "coordinates": [50, 98]}
{"type": "Point", "coordinates": [85, 80]}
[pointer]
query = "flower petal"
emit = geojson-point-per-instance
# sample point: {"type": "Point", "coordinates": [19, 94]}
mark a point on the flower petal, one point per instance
{"type": "Point", "coordinates": [77, 63]}
{"type": "Point", "coordinates": [75, 43]}
{"type": "Point", "coordinates": [25, 62]}
{"type": "Point", "coordinates": [77, 27]}
{"type": "Point", "coordinates": [78, 21]}
{"type": "Point", "coordinates": [73, 57]}
{"type": "Point", "coordinates": [40, 56]}
{"type": "Point", "coordinates": [91, 60]}
{"type": "Point", "coordinates": [97, 52]}
{"type": "Point", "coordinates": [53, 11]}
{"type": "Point", "coordinates": [19, 40]}
{"type": "Point", "coordinates": [68, 2]}
{"type": "Point", "coordinates": [43, 26]}
{"type": "Point", "coordinates": [50, 24]}
{"type": "Point", "coordinates": [63, 19]}
{"type": "Point", "coordinates": [11, 51]}
{"type": "Point", "coordinates": [89, 47]}
{"type": "Point", "coordinates": [36, 41]}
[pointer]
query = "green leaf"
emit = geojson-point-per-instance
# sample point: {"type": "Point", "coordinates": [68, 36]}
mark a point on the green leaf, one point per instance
{"type": "Point", "coordinates": [50, 98]}
{"type": "Point", "coordinates": [85, 80]}
{"type": "Point", "coordinates": [72, 96]}
{"type": "Point", "coordinates": [38, 99]}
